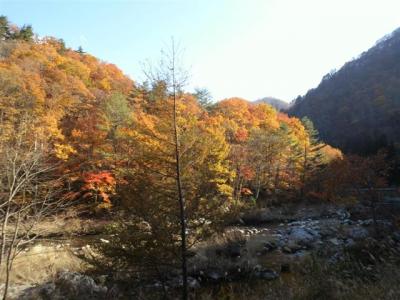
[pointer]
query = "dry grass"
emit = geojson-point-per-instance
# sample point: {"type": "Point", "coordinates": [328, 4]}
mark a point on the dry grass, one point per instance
{"type": "Point", "coordinates": [316, 283]}
{"type": "Point", "coordinates": [69, 224]}
{"type": "Point", "coordinates": [41, 263]}
{"type": "Point", "coordinates": [210, 254]}
{"type": "Point", "coordinates": [370, 270]}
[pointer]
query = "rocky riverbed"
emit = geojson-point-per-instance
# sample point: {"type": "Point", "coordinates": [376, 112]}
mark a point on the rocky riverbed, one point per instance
{"type": "Point", "coordinates": [270, 246]}
{"type": "Point", "coordinates": [262, 246]}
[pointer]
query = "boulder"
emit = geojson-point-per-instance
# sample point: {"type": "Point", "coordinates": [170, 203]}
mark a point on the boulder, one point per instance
{"type": "Point", "coordinates": [286, 249]}
{"type": "Point", "coordinates": [302, 254]}
{"type": "Point", "coordinates": [231, 250]}
{"type": "Point", "coordinates": [293, 246]}
{"type": "Point", "coordinates": [213, 275]}
{"type": "Point", "coordinates": [73, 283]}
{"type": "Point", "coordinates": [266, 274]}
{"type": "Point", "coordinates": [327, 231]}
{"type": "Point", "coordinates": [367, 222]}
{"type": "Point", "coordinates": [334, 241]}
{"type": "Point", "coordinates": [314, 231]}
{"type": "Point", "coordinates": [270, 246]}
{"type": "Point", "coordinates": [177, 282]}
{"type": "Point", "coordinates": [67, 285]}
{"type": "Point", "coordinates": [193, 283]}
{"type": "Point", "coordinates": [303, 237]}
{"type": "Point", "coordinates": [343, 214]}
{"type": "Point", "coordinates": [357, 233]}
{"type": "Point", "coordinates": [349, 243]}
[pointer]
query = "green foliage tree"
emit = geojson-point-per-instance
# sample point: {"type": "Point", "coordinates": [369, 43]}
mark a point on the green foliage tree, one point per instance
{"type": "Point", "coordinates": [204, 98]}
{"type": "Point", "coordinates": [80, 50]}
{"type": "Point", "coordinates": [117, 113]}
{"type": "Point", "coordinates": [25, 33]}
{"type": "Point", "coordinates": [4, 28]}
{"type": "Point", "coordinates": [177, 179]}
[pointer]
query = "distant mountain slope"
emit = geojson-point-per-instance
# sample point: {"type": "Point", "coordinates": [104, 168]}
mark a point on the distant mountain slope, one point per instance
{"type": "Point", "coordinates": [276, 103]}
{"type": "Point", "coordinates": [358, 107]}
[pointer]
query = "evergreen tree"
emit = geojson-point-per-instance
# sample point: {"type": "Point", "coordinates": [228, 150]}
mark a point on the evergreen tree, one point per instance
{"type": "Point", "coordinates": [4, 28]}
{"type": "Point", "coordinates": [204, 98]}
{"type": "Point", "coordinates": [80, 50]}
{"type": "Point", "coordinates": [25, 33]}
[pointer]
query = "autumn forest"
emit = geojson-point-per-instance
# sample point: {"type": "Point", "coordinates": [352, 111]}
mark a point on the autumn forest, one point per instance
{"type": "Point", "coordinates": [164, 193]}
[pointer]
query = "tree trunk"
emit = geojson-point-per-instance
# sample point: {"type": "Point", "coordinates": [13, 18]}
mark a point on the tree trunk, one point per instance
{"type": "Point", "coordinates": [276, 181]}
{"type": "Point", "coordinates": [181, 198]}
{"type": "Point", "coordinates": [3, 234]}
{"type": "Point", "coordinates": [303, 179]}
{"type": "Point", "coordinates": [11, 256]}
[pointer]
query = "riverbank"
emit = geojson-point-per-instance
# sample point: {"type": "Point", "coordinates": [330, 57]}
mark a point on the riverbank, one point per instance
{"type": "Point", "coordinates": [267, 250]}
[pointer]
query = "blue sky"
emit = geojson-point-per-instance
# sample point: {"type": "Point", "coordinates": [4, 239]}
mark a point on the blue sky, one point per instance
{"type": "Point", "coordinates": [245, 48]}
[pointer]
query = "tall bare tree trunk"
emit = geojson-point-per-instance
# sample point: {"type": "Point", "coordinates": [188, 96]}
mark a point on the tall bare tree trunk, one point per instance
{"type": "Point", "coordinates": [304, 173]}
{"type": "Point", "coordinates": [174, 77]}
{"type": "Point", "coordinates": [13, 249]}
{"type": "Point", "coordinates": [276, 180]}
{"type": "Point", "coordinates": [258, 183]}
{"type": "Point", "coordinates": [3, 234]}
{"type": "Point", "coordinates": [181, 198]}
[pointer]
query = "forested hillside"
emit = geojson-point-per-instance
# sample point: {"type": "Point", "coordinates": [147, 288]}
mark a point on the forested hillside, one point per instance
{"type": "Point", "coordinates": [358, 107]}
{"type": "Point", "coordinates": [103, 129]}
{"type": "Point", "coordinates": [278, 104]}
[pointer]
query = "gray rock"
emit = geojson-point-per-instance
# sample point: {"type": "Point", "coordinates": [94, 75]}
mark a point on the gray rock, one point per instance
{"type": "Point", "coordinates": [214, 275]}
{"type": "Point", "coordinates": [67, 285]}
{"type": "Point", "coordinates": [343, 214]}
{"type": "Point", "coordinates": [286, 249]}
{"type": "Point", "coordinates": [302, 237]}
{"type": "Point", "coordinates": [357, 233]}
{"type": "Point", "coordinates": [302, 254]}
{"type": "Point", "coordinates": [257, 268]}
{"type": "Point", "coordinates": [314, 231]}
{"type": "Point", "coordinates": [178, 282]}
{"type": "Point", "coordinates": [367, 222]}
{"type": "Point", "coordinates": [193, 283]}
{"type": "Point", "coordinates": [240, 221]}
{"type": "Point", "coordinates": [349, 243]}
{"type": "Point", "coordinates": [347, 222]}
{"type": "Point", "coordinates": [327, 231]}
{"type": "Point", "coordinates": [293, 246]}
{"type": "Point", "coordinates": [270, 246]}
{"type": "Point", "coordinates": [47, 290]}
{"type": "Point", "coordinates": [267, 274]}
{"type": "Point", "coordinates": [74, 283]}
{"type": "Point", "coordinates": [335, 241]}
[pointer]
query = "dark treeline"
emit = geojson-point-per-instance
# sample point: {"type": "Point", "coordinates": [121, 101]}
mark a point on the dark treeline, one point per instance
{"type": "Point", "coordinates": [357, 108]}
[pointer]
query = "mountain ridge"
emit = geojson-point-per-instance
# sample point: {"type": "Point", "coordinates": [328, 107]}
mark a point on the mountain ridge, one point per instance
{"type": "Point", "coordinates": [278, 104]}
{"type": "Point", "coordinates": [357, 108]}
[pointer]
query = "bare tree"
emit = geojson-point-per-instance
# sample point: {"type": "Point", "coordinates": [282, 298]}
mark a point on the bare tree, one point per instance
{"type": "Point", "coordinates": [27, 192]}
